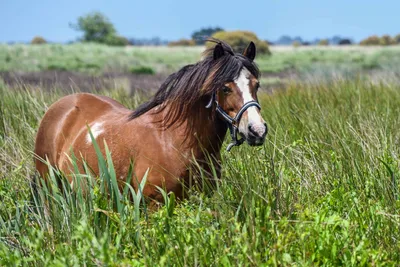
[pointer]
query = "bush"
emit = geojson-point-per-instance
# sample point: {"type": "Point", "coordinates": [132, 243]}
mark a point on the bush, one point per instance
{"type": "Point", "coordinates": [182, 42]}
{"type": "Point", "coordinates": [296, 44]}
{"type": "Point", "coordinates": [116, 40]}
{"type": "Point", "coordinates": [142, 70]}
{"type": "Point", "coordinates": [387, 40]}
{"type": "Point", "coordinates": [372, 40]}
{"type": "Point", "coordinates": [323, 42]}
{"type": "Point", "coordinates": [240, 39]}
{"type": "Point", "coordinates": [38, 40]}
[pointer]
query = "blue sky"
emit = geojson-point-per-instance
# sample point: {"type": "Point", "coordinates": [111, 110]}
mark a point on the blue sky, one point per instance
{"type": "Point", "coordinates": [174, 19]}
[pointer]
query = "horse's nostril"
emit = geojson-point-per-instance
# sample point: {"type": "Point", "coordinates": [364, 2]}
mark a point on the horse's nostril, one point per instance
{"type": "Point", "coordinates": [258, 130]}
{"type": "Point", "coordinates": [252, 130]}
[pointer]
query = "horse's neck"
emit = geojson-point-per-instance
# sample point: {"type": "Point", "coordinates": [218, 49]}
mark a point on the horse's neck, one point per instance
{"type": "Point", "coordinates": [204, 137]}
{"type": "Point", "coordinates": [212, 138]}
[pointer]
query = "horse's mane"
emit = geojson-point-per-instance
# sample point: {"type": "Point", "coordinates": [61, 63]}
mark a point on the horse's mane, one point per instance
{"type": "Point", "coordinates": [187, 90]}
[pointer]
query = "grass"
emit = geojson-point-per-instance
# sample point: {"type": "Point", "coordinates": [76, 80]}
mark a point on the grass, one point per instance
{"type": "Point", "coordinates": [96, 59]}
{"type": "Point", "coordinates": [323, 190]}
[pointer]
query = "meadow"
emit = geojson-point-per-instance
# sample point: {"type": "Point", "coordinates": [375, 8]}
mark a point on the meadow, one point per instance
{"type": "Point", "coordinates": [97, 59]}
{"type": "Point", "coordinates": [323, 189]}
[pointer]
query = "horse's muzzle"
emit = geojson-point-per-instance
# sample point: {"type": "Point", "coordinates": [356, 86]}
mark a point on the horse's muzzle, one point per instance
{"type": "Point", "coordinates": [256, 134]}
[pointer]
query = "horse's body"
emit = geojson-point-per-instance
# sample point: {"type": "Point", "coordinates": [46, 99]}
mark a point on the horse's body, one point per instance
{"type": "Point", "coordinates": [163, 135]}
{"type": "Point", "coordinates": [166, 153]}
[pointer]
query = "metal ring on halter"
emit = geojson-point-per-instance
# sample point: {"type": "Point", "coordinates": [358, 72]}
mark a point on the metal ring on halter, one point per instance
{"type": "Point", "coordinates": [233, 123]}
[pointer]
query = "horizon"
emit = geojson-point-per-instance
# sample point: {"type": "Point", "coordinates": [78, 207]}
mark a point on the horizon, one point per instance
{"type": "Point", "coordinates": [175, 20]}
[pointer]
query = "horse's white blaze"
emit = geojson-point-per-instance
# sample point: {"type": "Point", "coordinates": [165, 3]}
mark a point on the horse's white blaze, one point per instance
{"type": "Point", "coordinates": [254, 118]}
{"type": "Point", "coordinates": [97, 129]}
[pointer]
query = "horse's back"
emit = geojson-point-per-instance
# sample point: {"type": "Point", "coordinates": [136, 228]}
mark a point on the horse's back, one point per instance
{"type": "Point", "coordinates": [64, 120]}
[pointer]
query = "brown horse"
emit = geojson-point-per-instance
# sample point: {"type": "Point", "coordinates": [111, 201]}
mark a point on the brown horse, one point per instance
{"type": "Point", "coordinates": [186, 119]}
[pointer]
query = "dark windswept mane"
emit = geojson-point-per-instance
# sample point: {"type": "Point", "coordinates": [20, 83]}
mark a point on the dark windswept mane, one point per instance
{"type": "Point", "coordinates": [187, 90]}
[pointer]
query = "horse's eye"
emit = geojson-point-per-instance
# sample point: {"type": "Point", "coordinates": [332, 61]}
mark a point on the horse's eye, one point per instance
{"type": "Point", "coordinates": [257, 86]}
{"type": "Point", "coordinates": [226, 89]}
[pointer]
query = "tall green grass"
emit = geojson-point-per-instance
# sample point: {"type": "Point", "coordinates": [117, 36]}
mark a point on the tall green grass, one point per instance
{"type": "Point", "coordinates": [323, 190]}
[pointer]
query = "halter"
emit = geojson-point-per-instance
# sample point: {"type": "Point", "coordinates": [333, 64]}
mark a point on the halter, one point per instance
{"type": "Point", "coordinates": [233, 123]}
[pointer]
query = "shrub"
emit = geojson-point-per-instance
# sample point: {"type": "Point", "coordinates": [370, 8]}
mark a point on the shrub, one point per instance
{"type": "Point", "coordinates": [387, 40]}
{"type": "Point", "coordinates": [142, 70]}
{"type": "Point", "coordinates": [116, 40]}
{"type": "Point", "coordinates": [323, 42]}
{"type": "Point", "coordinates": [38, 40]}
{"type": "Point", "coordinates": [182, 42]}
{"type": "Point", "coordinates": [57, 66]}
{"type": "Point", "coordinates": [240, 39]}
{"type": "Point", "coordinates": [372, 40]}
{"type": "Point", "coordinates": [296, 44]}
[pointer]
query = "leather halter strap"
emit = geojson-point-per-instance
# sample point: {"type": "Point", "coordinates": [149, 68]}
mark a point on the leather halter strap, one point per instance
{"type": "Point", "coordinates": [233, 123]}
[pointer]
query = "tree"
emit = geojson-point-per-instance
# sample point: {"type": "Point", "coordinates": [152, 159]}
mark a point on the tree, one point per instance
{"type": "Point", "coordinates": [397, 39]}
{"type": "Point", "coordinates": [345, 41]}
{"type": "Point", "coordinates": [387, 40]}
{"type": "Point", "coordinates": [200, 35]}
{"type": "Point", "coordinates": [372, 40]}
{"type": "Point", "coordinates": [96, 27]}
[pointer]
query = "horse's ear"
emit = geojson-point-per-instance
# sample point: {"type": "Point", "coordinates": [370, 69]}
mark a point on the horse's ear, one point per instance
{"type": "Point", "coordinates": [250, 51]}
{"type": "Point", "coordinates": [218, 51]}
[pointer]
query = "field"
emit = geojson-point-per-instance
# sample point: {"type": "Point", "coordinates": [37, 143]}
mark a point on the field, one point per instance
{"type": "Point", "coordinates": [322, 190]}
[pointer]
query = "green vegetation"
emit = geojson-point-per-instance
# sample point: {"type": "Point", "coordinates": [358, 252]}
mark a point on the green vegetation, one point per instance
{"type": "Point", "coordinates": [385, 40]}
{"type": "Point", "coordinates": [38, 40]}
{"type": "Point", "coordinates": [199, 36]}
{"type": "Point", "coordinates": [182, 42]}
{"type": "Point", "coordinates": [323, 190]}
{"type": "Point", "coordinates": [96, 58]}
{"type": "Point", "coordinates": [96, 27]}
{"type": "Point", "coordinates": [323, 42]}
{"type": "Point", "coordinates": [240, 39]}
{"type": "Point", "coordinates": [142, 70]}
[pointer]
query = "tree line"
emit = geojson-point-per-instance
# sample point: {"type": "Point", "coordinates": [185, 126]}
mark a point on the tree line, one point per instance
{"type": "Point", "coordinates": [96, 27]}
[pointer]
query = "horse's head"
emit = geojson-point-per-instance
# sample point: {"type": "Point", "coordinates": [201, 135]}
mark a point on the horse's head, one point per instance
{"type": "Point", "coordinates": [238, 97]}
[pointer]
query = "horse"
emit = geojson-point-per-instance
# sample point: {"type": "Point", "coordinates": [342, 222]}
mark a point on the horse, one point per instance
{"type": "Point", "coordinates": [183, 123]}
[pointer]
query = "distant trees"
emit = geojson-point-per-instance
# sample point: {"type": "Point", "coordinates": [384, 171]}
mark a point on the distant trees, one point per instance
{"type": "Point", "coordinates": [200, 35]}
{"type": "Point", "coordinates": [345, 42]}
{"type": "Point", "coordinates": [387, 40]}
{"type": "Point", "coordinates": [148, 41]}
{"type": "Point", "coordinates": [384, 40]}
{"type": "Point", "coordinates": [96, 27]}
{"type": "Point", "coordinates": [182, 42]}
{"type": "Point", "coordinates": [335, 40]}
{"type": "Point", "coordinates": [397, 39]}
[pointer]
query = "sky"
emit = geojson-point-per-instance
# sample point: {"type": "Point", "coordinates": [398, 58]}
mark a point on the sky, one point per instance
{"type": "Point", "coordinates": [174, 19]}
